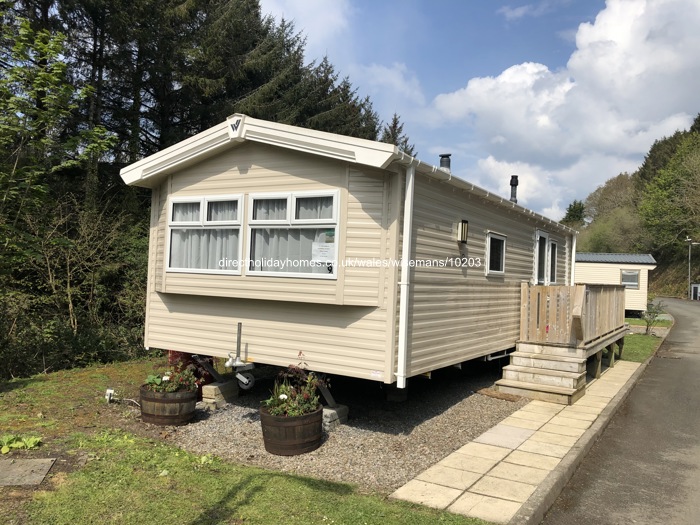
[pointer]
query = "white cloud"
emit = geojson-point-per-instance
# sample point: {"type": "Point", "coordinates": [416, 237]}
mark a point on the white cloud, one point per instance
{"type": "Point", "coordinates": [534, 10]}
{"type": "Point", "coordinates": [322, 22]}
{"type": "Point", "coordinates": [633, 78]}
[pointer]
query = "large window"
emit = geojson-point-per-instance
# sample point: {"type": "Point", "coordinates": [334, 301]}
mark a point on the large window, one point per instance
{"type": "Point", "coordinates": [204, 234]}
{"type": "Point", "coordinates": [496, 254]}
{"type": "Point", "coordinates": [630, 279]}
{"type": "Point", "coordinates": [293, 234]}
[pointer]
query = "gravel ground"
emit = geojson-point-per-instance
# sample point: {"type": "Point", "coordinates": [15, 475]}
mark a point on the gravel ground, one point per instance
{"type": "Point", "coordinates": [383, 445]}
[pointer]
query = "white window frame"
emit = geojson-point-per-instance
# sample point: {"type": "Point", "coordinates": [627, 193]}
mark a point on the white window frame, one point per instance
{"type": "Point", "coordinates": [203, 223]}
{"type": "Point", "coordinates": [291, 222]}
{"type": "Point", "coordinates": [494, 235]}
{"type": "Point", "coordinates": [535, 276]}
{"type": "Point", "coordinates": [629, 286]}
{"type": "Point", "coordinates": [553, 263]}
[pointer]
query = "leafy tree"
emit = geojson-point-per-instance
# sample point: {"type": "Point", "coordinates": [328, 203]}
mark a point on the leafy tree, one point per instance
{"type": "Point", "coordinates": [619, 231]}
{"type": "Point", "coordinates": [669, 207]}
{"type": "Point", "coordinates": [575, 215]}
{"type": "Point", "coordinates": [615, 193]}
{"type": "Point", "coordinates": [392, 133]}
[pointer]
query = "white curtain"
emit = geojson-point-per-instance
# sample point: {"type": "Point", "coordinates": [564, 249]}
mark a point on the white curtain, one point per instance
{"type": "Point", "coordinates": [314, 208]}
{"type": "Point", "coordinates": [288, 249]}
{"type": "Point", "coordinates": [270, 209]}
{"type": "Point", "coordinates": [204, 249]}
{"type": "Point", "coordinates": [185, 211]}
{"type": "Point", "coordinates": [222, 210]}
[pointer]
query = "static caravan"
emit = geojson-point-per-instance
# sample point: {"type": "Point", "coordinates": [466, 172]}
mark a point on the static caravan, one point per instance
{"type": "Point", "coordinates": [628, 269]}
{"type": "Point", "coordinates": [370, 262]}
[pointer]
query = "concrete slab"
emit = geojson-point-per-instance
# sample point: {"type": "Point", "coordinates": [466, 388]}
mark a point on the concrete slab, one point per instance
{"type": "Point", "coordinates": [449, 477]}
{"type": "Point", "coordinates": [503, 489]}
{"type": "Point", "coordinates": [546, 449]}
{"type": "Point", "coordinates": [521, 473]}
{"type": "Point", "coordinates": [543, 408]}
{"type": "Point", "coordinates": [529, 459]}
{"type": "Point", "coordinates": [522, 423]}
{"type": "Point", "coordinates": [581, 408]}
{"type": "Point", "coordinates": [24, 471]}
{"type": "Point", "coordinates": [570, 413]}
{"type": "Point", "coordinates": [482, 450]}
{"type": "Point", "coordinates": [570, 422]}
{"type": "Point", "coordinates": [505, 436]}
{"type": "Point", "coordinates": [554, 439]}
{"type": "Point", "coordinates": [529, 415]}
{"type": "Point", "coordinates": [469, 463]}
{"type": "Point", "coordinates": [486, 508]}
{"type": "Point", "coordinates": [428, 494]}
{"type": "Point", "coordinates": [564, 430]}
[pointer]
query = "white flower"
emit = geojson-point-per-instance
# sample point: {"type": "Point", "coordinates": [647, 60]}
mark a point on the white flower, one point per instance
{"type": "Point", "coordinates": [166, 378]}
{"type": "Point", "coordinates": [283, 396]}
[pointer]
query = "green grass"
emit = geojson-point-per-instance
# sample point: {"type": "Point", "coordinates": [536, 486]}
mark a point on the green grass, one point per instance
{"type": "Point", "coordinates": [663, 323]}
{"type": "Point", "coordinates": [639, 347]}
{"type": "Point", "coordinates": [133, 480]}
{"type": "Point", "coordinates": [130, 478]}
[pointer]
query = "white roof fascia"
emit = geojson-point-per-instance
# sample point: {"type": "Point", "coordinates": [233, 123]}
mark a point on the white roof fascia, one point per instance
{"type": "Point", "coordinates": [185, 152]}
{"type": "Point", "coordinates": [238, 128]}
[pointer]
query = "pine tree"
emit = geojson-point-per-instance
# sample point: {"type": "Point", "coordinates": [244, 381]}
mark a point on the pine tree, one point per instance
{"type": "Point", "coordinates": [392, 133]}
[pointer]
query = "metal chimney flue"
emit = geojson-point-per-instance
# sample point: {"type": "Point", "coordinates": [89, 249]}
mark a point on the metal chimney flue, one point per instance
{"type": "Point", "coordinates": [445, 161]}
{"type": "Point", "coordinates": [514, 188]}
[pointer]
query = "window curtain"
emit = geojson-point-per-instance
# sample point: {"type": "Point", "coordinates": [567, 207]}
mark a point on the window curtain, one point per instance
{"type": "Point", "coordinates": [204, 249]}
{"type": "Point", "coordinates": [288, 249]}
{"type": "Point", "coordinates": [222, 210]}
{"type": "Point", "coordinates": [185, 212]}
{"type": "Point", "coordinates": [314, 208]}
{"type": "Point", "coordinates": [270, 209]}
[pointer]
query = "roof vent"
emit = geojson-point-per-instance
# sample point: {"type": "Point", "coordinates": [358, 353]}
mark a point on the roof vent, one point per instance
{"type": "Point", "coordinates": [445, 161]}
{"type": "Point", "coordinates": [514, 188]}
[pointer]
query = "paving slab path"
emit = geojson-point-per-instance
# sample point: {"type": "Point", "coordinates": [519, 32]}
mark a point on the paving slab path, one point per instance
{"type": "Point", "coordinates": [513, 471]}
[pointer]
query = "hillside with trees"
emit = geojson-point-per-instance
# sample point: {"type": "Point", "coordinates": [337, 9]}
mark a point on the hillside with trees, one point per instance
{"type": "Point", "coordinates": [652, 210]}
{"type": "Point", "coordinates": [89, 86]}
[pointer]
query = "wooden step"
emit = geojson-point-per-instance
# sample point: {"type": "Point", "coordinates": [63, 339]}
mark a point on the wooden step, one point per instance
{"type": "Point", "coordinates": [549, 362]}
{"type": "Point", "coordinates": [556, 350]}
{"type": "Point", "coordinates": [543, 376]}
{"type": "Point", "coordinates": [552, 394]}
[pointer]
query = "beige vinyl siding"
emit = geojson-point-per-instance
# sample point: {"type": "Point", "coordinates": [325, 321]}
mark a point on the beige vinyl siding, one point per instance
{"type": "Point", "coordinates": [609, 273]}
{"type": "Point", "coordinates": [459, 313]}
{"type": "Point", "coordinates": [159, 214]}
{"type": "Point", "coordinates": [254, 168]}
{"type": "Point", "coordinates": [345, 340]}
{"type": "Point", "coordinates": [365, 237]}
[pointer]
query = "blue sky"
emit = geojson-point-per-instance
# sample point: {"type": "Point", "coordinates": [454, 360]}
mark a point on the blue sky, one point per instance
{"type": "Point", "coordinates": [564, 93]}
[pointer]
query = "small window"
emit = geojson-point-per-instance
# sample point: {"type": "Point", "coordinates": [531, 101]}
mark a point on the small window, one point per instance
{"type": "Point", "coordinates": [630, 279]}
{"type": "Point", "coordinates": [541, 254]}
{"type": "Point", "coordinates": [553, 263]}
{"type": "Point", "coordinates": [496, 254]}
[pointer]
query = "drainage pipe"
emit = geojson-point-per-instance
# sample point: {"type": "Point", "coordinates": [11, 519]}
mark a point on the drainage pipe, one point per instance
{"type": "Point", "coordinates": [405, 276]}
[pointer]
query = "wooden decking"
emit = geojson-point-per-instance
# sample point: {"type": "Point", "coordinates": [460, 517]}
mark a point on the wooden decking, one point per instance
{"type": "Point", "coordinates": [564, 331]}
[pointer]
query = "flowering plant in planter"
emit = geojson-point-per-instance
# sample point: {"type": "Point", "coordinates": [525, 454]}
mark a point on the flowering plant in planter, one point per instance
{"type": "Point", "coordinates": [295, 393]}
{"type": "Point", "coordinates": [180, 379]}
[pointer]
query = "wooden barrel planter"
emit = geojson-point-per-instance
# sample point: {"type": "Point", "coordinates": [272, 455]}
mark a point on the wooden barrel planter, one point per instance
{"type": "Point", "coordinates": [167, 408]}
{"type": "Point", "coordinates": [289, 436]}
